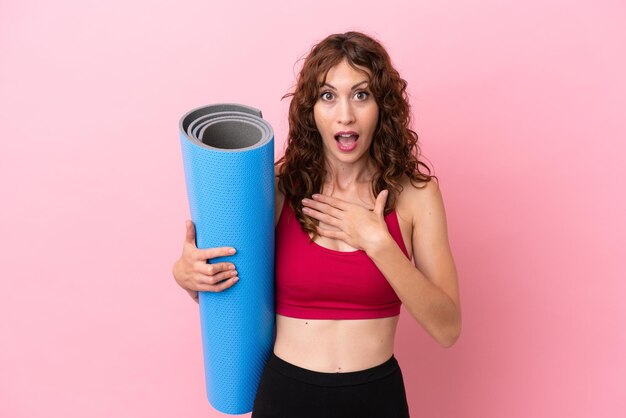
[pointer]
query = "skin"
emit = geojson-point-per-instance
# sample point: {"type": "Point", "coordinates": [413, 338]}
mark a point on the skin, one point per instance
{"type": "Point", "coordinates": [351, 218]}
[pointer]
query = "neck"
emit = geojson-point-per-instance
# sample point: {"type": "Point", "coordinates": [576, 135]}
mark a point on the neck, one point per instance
{"type": "Point", "coordinates": [345, 176]}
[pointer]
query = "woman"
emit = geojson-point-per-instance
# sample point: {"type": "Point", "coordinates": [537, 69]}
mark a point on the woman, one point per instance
{"type": "Point", "coordinates": [360, 231]}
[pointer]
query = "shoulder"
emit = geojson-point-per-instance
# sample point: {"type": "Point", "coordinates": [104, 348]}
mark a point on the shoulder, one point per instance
{"type": "Point", "coordinates": [277, 167]}
{"type": "Point", "coordinates": [279, 197]}
{"type": "Point", "coordinates": [420, 201]}
{"type": "Point", "coordinates": [419, 193]}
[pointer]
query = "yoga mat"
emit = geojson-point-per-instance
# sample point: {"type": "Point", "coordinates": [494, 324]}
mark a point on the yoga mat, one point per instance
{"type": "Point", "coordinates": [228, 156]}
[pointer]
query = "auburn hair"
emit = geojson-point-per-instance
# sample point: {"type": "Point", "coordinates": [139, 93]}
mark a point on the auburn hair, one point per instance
{"type": "Point", "coordinates": [394, 150]}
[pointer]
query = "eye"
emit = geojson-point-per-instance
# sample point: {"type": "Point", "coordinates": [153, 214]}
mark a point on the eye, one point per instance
{"type": "Point", "coordinates": [361, 95]}
{"type": "Point", "coordinates": [326, 96]}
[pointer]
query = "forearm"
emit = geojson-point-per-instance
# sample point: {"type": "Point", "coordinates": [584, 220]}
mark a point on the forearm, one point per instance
{"type": "Point", "coordinates": [429, 305]}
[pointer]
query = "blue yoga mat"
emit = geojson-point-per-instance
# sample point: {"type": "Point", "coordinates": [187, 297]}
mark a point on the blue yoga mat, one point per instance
{"type": "Point", "coordinates": [228, 156]}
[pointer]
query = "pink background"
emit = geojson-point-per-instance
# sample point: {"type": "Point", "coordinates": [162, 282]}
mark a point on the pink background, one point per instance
{"type": "Point", "coordinates": [519, 106]}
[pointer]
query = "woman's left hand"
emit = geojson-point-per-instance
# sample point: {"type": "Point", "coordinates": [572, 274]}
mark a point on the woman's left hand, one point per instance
{"type": "Point", "coordinates": [355, 224]}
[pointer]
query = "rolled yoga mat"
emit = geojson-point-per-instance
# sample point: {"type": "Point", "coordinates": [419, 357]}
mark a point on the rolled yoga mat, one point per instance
{"type": "Point", "coordinates": [228, 156]}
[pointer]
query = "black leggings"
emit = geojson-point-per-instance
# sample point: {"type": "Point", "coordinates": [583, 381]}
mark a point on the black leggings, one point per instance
{"type": "Point", "coordinates": [289, 391]}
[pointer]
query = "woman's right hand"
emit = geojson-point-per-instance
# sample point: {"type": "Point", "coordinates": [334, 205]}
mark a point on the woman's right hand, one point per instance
{"type": "Point", "coordinates": [193, 273]}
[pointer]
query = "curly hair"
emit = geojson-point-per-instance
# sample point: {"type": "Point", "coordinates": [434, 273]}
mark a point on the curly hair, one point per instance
{"type": "Point", "coordinates": [394, 150]}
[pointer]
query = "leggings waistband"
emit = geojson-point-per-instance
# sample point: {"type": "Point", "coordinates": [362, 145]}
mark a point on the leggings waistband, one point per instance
{"type": "Point", "coordinates": [333, 379]}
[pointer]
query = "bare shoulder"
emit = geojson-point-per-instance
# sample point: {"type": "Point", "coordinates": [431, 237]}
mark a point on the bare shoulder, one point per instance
{"type": "Point", "coordinates": [276, 178]}
{"type": "Point", "coordinates": [420, 201]}
{"type": "Point", "coordinates": [279, 197]}
{"type": "Point", "coordinates": [432, 254]}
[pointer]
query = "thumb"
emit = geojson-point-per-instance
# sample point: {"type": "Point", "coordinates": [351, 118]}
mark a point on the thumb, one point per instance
{"type": "Point", "coordinates": [190, 236]}
{"type": "Point", "coordinates": [381, 199]}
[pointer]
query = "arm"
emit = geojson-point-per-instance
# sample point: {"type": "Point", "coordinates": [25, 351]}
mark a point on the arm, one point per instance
{"type": "Point", "coordinates": [429, 289]}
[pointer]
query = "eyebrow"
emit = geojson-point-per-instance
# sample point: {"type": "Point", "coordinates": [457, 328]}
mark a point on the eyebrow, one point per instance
{"type": "Point", "coordinates": [352, 88]}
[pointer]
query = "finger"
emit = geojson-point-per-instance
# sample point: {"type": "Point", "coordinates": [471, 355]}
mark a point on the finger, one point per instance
{"type": "Point", "coordinates": [323, 207]}
{"type": "Point", "coordinates": [220, 286]}
{"type": "Point", "coordinates": [333, 201]}
{"type": "Point", "coordinates": [190, 236]}
{"type": "Point", "coordinates": [209, 253]}
{"type": "Point", "coordinates": [203, 279]}
{"type": "Point", "coordinates": [381, 199]}
{"type": "Point", "coordinates": [218, 278]}
{"type": "Point", "coordinates": [213, 269]}
{"type": "Point", "coordinates": [327, 219]}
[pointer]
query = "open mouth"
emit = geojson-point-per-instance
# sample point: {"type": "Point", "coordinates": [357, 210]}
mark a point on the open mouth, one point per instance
{"type": "Point", "coordinates": [346, 141]}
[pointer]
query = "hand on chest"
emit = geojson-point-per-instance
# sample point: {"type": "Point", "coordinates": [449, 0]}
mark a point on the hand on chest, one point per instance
{"type": "Point", "coordinates": [337, 244]}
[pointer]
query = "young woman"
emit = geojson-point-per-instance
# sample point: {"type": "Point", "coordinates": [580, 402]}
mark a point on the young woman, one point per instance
{"type": "Point", "coordinates": [360, 230]}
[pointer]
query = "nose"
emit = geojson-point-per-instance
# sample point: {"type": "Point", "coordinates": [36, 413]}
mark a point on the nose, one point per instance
{"type": "Point", "coordinates": [345, 113]}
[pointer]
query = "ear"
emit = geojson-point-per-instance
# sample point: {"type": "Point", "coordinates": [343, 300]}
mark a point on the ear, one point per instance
{"type": "Point", "coordinates": [381, 199]}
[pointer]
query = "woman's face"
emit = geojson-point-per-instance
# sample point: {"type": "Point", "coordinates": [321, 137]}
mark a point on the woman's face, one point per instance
{"type": "Point", "coordinates": [346, 114]}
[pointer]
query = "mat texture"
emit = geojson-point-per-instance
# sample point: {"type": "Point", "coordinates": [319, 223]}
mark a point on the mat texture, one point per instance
{"type": "Point", "coordinates": [228, 156]}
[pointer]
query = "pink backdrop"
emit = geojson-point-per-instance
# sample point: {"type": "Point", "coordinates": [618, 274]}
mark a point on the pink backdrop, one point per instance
{"type": "Point", "coordinates": [519, 106]}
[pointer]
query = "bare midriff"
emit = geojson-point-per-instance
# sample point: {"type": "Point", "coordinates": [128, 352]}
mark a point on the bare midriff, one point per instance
{"type": "Point", "coordinates": [335, 346]}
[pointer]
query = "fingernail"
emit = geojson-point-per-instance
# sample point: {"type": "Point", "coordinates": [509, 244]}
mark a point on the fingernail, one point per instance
{"type": "Point", "coordinates": [235, 279]}
{"type": "Point", "coordinates": [231, 267]}
{"type": "Point", "coordinates": [231, 251]}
